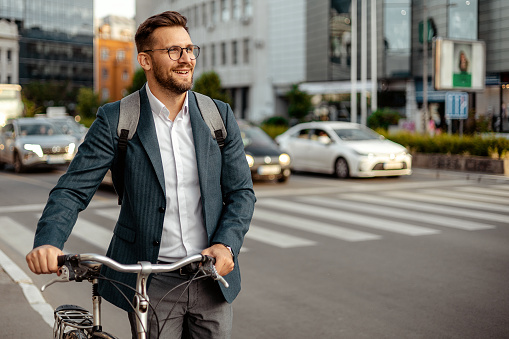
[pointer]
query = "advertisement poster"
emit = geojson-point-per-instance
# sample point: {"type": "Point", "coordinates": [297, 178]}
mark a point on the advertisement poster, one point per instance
{"type": "Point", "coordinates": [462, 74]}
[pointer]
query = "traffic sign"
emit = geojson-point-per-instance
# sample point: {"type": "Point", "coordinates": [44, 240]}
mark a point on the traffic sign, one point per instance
{"type": "Point", "coordinates": [456, 105]}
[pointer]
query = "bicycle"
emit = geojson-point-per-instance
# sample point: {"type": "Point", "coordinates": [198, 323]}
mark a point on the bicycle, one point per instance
{"type": "Point", "coordinates": [75, 322]}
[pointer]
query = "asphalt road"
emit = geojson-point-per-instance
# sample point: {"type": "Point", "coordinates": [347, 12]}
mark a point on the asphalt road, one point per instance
{"type": "Point", "coordinates": [424, 256]}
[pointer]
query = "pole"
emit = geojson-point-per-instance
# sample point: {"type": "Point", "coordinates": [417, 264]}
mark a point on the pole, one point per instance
{"type": "Point", "coordinates": [424, 117]}
{"type": "Point", "coordinates": [353, 64]}
{"type": "Point", "coordinates": [374, 59]}
{"type": "Point", "coordinates": [364, 61]}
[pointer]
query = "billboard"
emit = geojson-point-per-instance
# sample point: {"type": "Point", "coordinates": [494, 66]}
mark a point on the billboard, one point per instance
{"type": "Point", "coordinates": [459, 65]}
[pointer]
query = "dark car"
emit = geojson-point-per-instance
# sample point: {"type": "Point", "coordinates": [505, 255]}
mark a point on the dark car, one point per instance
{"type": "Point", "coordinates": [266, 160]}
{"type": "Point", "coordinates": [31, 142]}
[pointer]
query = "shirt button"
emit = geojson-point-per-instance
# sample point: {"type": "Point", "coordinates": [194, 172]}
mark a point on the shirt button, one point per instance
{"type": "Point", "coordinates": [156, 243]}
{"type": "Point", "coordinates": [162, 209]}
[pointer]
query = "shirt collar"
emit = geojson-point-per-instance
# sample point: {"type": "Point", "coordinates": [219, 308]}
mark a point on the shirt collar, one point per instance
{"type": "Point", "coordinates": [159, 109]}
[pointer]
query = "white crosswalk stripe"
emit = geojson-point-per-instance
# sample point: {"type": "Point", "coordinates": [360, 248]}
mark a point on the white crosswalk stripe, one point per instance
{"type": "Point", "coordinates": [343, 216]}
{"type": "Point", "coordinates": [432, 208]}
{"type": "Point", "coordinates": [491, 191]}
{"type": "Point", "coordinates": [92, 233]}
{"type": "Point", "coordinates": [312, 226]}
{"type": "Point", "coordinates": [418, 196]}
{"type": "Point", "coordinates": [399, 213]}
{"type": "Point", "coordinates": [462, 195]}
{"type": "Point", "coordinates": [16, 235]}
{"type": "Point", "coordinates": [277, 239]}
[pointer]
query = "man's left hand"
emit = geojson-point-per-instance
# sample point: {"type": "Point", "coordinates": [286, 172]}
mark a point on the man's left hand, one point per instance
{"type": "Point", "coordinates": [224, 260]}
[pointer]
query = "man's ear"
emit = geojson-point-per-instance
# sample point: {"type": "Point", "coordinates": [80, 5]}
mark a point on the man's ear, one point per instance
{"type": "Point", "coordinates": [145, 61]}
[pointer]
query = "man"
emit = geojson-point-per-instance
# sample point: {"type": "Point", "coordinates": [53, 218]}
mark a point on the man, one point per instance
{"type": "Point", "coordinates": [182, 194]}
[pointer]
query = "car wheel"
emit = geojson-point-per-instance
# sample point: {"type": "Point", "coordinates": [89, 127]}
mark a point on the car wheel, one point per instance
{"type": "Point", "coordinates": [283, 179]}
{"type": "Point", "coordinates": [341, 168]}
{"type": "Point", "coordinates": [18, 164]}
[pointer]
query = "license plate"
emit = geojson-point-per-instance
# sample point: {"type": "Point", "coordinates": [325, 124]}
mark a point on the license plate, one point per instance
{"type": "Point", "coordinates": [269, 169]}
{"type": "Point", "coordinates": [56, 159]}
{"type": "Point", "coordinates": [393, 165]}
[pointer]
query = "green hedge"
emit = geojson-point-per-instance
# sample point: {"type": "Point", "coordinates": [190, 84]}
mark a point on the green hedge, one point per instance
{"type": "Point", "coordinates": [451, 144]}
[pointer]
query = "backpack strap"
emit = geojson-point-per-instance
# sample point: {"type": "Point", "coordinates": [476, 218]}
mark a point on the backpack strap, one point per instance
{"type": "Point", "coordinates": [127, 124]}
{"type": "Point", "coordinates": [212, 118]}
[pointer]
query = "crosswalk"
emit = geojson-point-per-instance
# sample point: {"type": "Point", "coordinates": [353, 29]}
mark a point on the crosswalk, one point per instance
{"type": "Point", "coordinates": [288, 221]}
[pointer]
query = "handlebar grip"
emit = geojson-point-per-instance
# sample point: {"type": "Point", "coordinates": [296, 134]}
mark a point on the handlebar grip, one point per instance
{"type": "Point", "coordinates": [209, 258]}
{"type": "Point", "coordinates": [61, 260]}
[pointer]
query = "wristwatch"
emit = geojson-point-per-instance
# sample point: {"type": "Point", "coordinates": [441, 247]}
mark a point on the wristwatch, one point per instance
{"type": "Point", "coordinates": [229, 249]}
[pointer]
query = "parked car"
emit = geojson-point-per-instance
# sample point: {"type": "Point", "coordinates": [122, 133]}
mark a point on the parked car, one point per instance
{"type": "Point", "coordinates": [69, 126]}
{"type": "Point", "coordinates": [30, 142]}
{"type": "Point", "coordinates": [266, 160]}
{"type": "Point", "coordinates": [344, 149]}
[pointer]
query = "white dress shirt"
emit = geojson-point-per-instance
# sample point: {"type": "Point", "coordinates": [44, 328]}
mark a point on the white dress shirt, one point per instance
{"type": "Point", "coordinates": [183, 228]}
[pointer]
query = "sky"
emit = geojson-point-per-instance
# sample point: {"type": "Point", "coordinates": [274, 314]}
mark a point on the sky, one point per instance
{"type": "Point", "coordinates": [104, 8]}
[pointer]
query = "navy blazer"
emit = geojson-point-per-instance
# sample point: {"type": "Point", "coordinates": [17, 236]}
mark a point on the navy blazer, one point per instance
{"type": "Point", "coordinates": [225, 183]}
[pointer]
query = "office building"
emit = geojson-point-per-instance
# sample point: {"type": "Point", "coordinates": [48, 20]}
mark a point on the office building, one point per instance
{"type": "Point", "coordinates": [55, 40]}
{"type": "Point", "coordinates": [9, 52]}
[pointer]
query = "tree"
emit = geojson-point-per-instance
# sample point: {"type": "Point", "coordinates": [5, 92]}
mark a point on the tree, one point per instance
{"type": "Point", "coordinates": [209, 84]}
{"type": "Point", "coordinates": [299, 103]}
{"type": "Point", "coordinates": [88, 102]}
{"type": "Point", "coordinates": [139, 79]}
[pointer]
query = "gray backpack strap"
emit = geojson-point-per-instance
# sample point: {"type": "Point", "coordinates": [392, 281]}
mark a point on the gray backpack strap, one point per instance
{"type": "Point", "coordinates": [212, 118]}
{"type": "Point", "coordinates": [127, 124]}
{"type": "Point", "coordinates": [129, 114]}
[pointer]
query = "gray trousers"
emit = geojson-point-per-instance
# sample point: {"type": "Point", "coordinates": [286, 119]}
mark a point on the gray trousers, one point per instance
{"type": "Point", "coordinates": [199, 311]}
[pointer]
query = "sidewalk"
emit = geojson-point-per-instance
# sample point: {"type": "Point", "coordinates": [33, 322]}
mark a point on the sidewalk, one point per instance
{"type": "Point", "coordinates": [19, 319]}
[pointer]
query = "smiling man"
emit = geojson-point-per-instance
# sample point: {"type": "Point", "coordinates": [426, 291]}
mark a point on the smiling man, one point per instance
{"type": "Point", "coordinates": [182, 194]}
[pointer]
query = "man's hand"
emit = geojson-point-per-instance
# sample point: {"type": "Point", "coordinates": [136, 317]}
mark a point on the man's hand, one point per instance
{"type": "Point", "coordinates": [224, 260]}
{"type": "Point", "coordinates": [43, 259]}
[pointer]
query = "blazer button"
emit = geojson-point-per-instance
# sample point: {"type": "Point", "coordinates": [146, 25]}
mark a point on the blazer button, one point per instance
{"type": "Point", "coordinates": [162, 209]}
{"type": "Point", "coordinates": [156, 243]}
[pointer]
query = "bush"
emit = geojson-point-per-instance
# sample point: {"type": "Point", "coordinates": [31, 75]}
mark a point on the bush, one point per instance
{"type": "Point", "coordinates": [383, 118]}
{"type": "Point", "coordinates": [452, 144]}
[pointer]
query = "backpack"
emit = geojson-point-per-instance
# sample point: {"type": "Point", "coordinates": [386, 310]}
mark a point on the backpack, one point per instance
{"type": "Point", "coordinates": [128, 122]}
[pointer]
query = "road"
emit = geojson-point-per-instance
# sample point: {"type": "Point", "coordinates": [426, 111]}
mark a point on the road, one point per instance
{"type": "Point", "coordinates": [424, 256]}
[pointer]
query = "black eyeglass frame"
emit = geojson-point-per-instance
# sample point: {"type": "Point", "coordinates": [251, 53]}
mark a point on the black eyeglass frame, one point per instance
{"type": "Point", "coordinates": [188, 51]}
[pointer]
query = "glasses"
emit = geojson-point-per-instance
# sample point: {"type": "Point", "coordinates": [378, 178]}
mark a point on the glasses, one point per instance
{"type": "Point", "coordinates": [175, 52]}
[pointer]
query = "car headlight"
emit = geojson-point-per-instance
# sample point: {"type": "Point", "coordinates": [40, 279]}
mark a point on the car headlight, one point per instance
{"type": "Point", "coordinates": [250, 160]}
{"type": "Point", "coordinates": [364, 154]}
{"type": "Point", "coordinates": [70, 149]}
{"type": "Point", "coordinates": [284, 159]}
{"type": "Point", "coordinates": [34, 148]}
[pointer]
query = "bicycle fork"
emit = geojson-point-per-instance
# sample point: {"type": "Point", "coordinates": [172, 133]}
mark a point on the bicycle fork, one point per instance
{"type": "Point", "coordinates": [96, 307]}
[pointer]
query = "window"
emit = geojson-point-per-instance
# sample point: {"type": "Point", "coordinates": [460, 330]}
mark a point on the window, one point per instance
{"type": "Point", "coordinates": [105, 54]}
{"type": "Point", "coordinates": [223, 53]}
{"type": "Point", "coordinates": [204, 14]}
{"type": "Point", "coordinates": [246, 51]}
{"type": "Point", "coordinates": [234, 53]}
{"type": "Point", "coordinates": [105, 93]}
{"type": "Point", "coordinates": [214, 12]}
{"type": "Point", "coordinates": [236, 9]}
{"type": "Point", "coordinates": [462, 23]}
{"type": "Point", "coordinates": [397, 37]}
{"type": "Point", "coordinates": [225, 10]}
{"type": "Point", "coordinates": [9, 55]}
{"type": "Point", "coordinates": [248, 8]}
{"type": "Point", "coordinates": [104, 73]}
{"type": "Point", "coordinates": [125, 75]}
{"type": "Point", "coordinates": [213, 55]}
{"type": "Point", "coordinates": [120, 55]}
{"type": "Point", "coordinates": [203, 57]}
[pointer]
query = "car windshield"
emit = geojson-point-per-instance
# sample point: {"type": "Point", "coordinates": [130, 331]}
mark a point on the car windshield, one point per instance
{"type": "Point", "coordinates": [38, 129]}
{"type": "Point", "coordinates": [68, 127]}
{"type": "Point", "coordinates": [254, 136]}
{"type": "Point", "coordinates": [356, 134]}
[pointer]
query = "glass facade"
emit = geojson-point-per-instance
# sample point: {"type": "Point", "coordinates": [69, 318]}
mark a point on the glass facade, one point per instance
{"type": "Point", "coordinates": [56, 39]}
{"type": "Point", "coordinates": [397, 38]}
{"type": "Point", "coordinates": [462, 23]}
{"type": "Point", "coordinates": [340, 39]}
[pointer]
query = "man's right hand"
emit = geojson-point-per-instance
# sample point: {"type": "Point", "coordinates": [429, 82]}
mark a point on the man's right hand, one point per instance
{"type": "Point", "coordinates": [43, 259]}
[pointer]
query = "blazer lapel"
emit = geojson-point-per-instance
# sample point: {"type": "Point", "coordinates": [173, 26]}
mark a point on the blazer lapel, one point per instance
{"type": "Point", "coordinates": [202, 138]}
{"type": "Point", "coordinates": [147, 133]}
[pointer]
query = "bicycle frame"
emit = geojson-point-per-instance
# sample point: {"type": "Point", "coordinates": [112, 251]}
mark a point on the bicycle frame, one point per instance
{"type": "Point", "coordinates": [83, 264]}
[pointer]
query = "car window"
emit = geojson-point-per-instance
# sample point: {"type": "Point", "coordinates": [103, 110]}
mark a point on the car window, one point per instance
{"type": "Point", "coordinates": [255, 136]}
{"type": "Point", "coordinates": [356, 134]}
{"type": "Point", "coordinates": [321, 136]}
{"type": "Point", "coordinates": [38, 129]}
{"type": "Point", "coordinates": [8, 128]}
{"type": "Point", "coordinates": [303, 133]}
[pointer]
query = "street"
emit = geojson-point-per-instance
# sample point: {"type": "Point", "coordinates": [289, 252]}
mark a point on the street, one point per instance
{"type": "Point", "coordinates": [423, 256]}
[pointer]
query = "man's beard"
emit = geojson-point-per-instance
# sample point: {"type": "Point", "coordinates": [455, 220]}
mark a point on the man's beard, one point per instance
{"type": "Point", "coordinates": [170, 83]}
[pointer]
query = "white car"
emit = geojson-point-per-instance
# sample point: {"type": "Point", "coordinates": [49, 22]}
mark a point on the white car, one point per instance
{"type": "Point", "coordinates": [344, 149]}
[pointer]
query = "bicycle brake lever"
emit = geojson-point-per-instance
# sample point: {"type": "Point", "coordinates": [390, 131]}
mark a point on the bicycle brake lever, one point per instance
{"type": "Point", "coordinates": [64, 277]}
{"type": "Point", "coordinates": [211, 271]}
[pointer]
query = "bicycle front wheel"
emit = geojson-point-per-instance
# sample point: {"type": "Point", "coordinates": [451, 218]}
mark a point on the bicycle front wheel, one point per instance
{"type": "Point", "coordinates": [75, 334]}
{"type": "Point", "coordinates": [103, 335]}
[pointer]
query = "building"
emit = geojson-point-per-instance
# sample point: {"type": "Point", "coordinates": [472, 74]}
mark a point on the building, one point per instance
{"type": "Point", "coordinates": [256, 47]}
{"type": "Point", "coordinates": [114, 53]}
{"type": "Point", "coordinates": [260, 48]}
{"type": "Point", "coordinates": [9, 53]}
{"type": "Point", "coordinates": [55, 40]}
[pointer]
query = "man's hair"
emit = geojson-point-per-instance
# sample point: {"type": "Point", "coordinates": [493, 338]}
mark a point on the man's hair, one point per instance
{"type": "Point", "coordinates": [143, 37]}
